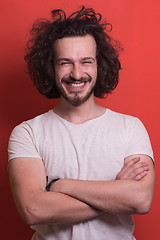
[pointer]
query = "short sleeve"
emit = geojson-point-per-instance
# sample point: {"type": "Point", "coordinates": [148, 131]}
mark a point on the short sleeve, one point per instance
{"type": "Point", "coordinates": [138, 141]}
{"type": "Point", "coordinates": [22, 143]}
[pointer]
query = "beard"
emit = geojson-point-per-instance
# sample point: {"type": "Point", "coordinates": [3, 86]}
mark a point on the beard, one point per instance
{"type": "Point", "coordinates": [76, 100]}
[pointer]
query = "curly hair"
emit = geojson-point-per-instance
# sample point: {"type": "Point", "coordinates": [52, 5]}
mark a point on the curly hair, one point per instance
{"type": "Point", "coordinates": [40, 55]}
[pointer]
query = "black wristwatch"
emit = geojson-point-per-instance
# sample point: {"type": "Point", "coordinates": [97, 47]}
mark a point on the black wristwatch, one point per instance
{"type": "Point", "coordinates": [50, 183]}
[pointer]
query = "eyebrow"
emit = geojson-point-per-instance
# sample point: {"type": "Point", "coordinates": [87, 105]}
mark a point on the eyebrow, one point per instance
{"type": "Point", "coordinates": [63, 59]}
{"type": "Point", "coordinates": [68, 59]}
{"type": "Point", "coordinates": [89, 58]}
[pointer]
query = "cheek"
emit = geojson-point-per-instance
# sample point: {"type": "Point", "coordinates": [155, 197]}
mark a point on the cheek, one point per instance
{"type": "Point", "coordinates": [58, 75]}
{"type": "Point", "coordinates": [61, 72]}
{"type": "Point", "coordinates": [93, 73]}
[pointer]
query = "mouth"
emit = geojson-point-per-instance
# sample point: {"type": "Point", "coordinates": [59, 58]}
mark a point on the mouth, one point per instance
{"type": "Point", "coordinates": [76, 84]}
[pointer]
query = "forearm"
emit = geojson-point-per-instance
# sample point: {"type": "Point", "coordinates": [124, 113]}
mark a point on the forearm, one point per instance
{"type": "Point", "coordinates": [132, 192]}
{"type": "Point", "coordinates": [119, 196]}
{"type": "Point", "coordinates": [35, 204]}
{"type": "Point", "coordinates": [58, 208]}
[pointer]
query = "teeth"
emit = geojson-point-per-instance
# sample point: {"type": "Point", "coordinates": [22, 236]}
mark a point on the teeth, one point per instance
{"type": "Point", "coordinates": [76, 84]}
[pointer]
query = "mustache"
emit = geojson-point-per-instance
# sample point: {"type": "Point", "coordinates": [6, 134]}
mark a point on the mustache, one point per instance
{"type": "Point", "coordinates": [71, 79]}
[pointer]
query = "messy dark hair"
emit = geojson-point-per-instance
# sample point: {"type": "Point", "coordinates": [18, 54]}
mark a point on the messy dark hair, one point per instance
{"type": "Point", "coordinates": [40, 55]}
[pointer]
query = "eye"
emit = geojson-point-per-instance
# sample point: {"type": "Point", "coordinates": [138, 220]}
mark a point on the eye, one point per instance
{"type": "Point", "coordinates": [87, 62]}
{"type": "Point", "coordinates": [64, 63]}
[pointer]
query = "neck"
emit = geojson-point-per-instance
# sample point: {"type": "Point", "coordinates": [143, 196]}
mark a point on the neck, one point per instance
{"type": "Point", "coordinates": [80, 114]}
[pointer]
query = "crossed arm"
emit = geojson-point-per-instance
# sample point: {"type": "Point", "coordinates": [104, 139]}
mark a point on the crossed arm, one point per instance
{"type": "Point", "coordinates": [73, 201]}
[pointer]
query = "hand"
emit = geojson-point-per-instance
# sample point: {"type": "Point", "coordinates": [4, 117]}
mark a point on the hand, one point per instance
{"type": "Point", "coordinates": [133, 170]}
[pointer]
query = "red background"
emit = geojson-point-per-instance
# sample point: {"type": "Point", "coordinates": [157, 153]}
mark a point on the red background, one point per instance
{"type": "Point", "coordinates": [136, 24]}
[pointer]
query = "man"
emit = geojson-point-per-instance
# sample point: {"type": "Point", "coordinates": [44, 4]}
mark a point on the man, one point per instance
{"type": "Point", "coordinates": [98, 163]}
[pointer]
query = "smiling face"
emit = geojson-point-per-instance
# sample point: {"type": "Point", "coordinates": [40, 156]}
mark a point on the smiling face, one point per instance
{"type": "Point", "coordinates": [75, 68]}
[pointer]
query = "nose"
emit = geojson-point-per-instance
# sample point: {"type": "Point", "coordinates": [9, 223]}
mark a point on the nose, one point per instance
{"type": "Point", "coordinates": [76, 72]}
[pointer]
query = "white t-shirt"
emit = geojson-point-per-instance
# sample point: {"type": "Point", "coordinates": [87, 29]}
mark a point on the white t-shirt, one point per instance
{"type": "Point", "coordinates": [94, 150]}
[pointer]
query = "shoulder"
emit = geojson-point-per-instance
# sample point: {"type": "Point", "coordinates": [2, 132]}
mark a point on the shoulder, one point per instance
{"type": "Point", "coordinates": [30, 130]}
{"type": "Point", "coordinates": [127, 124]}
{"type": "Point", "coordinates": [122, 119]}
{"type": "Point", "coordinates": [25, 138]}
{"type": "Point", "coordinates": [135, 134]}
{"type": "Point", "coordinates": [33, 123]}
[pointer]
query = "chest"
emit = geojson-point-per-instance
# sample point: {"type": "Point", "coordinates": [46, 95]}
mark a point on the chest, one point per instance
{"type": "Point", "coordinates": [83, 153]}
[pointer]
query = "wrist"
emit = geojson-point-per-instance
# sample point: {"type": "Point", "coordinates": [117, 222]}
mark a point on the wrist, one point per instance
{"type": "Point", "coordinates": [48, 186]}
{"type": "Point", "coordinates": [60, 186]}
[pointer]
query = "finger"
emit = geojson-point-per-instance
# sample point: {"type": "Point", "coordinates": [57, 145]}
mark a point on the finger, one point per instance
{"type": "Point", "coordinates": [132, 161]}
{"type": "Point", "coordinates": [143, 165]}
{"type": "Point", "coordinates": [127, 170]}
{"type": "Point", "coordinates": [140, 168]}
{"type": "Point", "coordinates": [140, 171]}
{"type": "Point", "coordinates": [136, 168]}
{"type": "Point", "coordinates": [132, 171]}
{"type": "Point", "coordinates": [140, 176]}
{"type": "Point", "coordinates": [132, 168]}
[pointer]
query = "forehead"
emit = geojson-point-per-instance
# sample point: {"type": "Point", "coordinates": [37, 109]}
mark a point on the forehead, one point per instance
{"type": "Point", "coordinates": [75, 47]}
